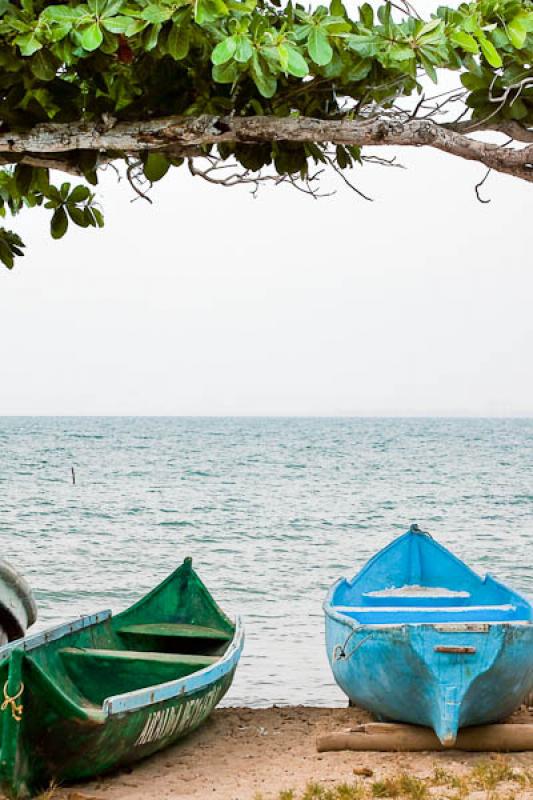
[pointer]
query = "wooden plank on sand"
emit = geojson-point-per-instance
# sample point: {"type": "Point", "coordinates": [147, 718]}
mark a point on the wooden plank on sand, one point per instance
{"type": "Point", "coordinates": [380, 736]}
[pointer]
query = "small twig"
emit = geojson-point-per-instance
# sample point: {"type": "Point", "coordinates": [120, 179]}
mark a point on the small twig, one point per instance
{"type": "Point", "coordinates": [478, 186]}
{"type": "Point", "coordinates": [214, 173]}
{"type": "Point", "coordinates": [134, 175]}
{"type": "Point", "coordinates": [418, 105]}
{"type": "Point", "coordinates": [382, 162]}
{"type": "Point", "coordinates": [347, 182]}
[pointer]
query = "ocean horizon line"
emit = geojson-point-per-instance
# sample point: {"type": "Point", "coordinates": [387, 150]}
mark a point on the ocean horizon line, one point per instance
{"type": "Point", "coordinates": [296, 416]}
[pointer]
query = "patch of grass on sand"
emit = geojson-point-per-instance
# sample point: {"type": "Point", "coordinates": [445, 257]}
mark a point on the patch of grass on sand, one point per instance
{"type": "Point", "coordinates": [344, 791]}
{"type": "Point", "coordinates": [385, 788]}
{"type": "Point", "coordinates": [50, 793]}
{"type": "Point", "coordinates": [486, 776]}
{"type": "Point", "coordinates": [316, 791]}
{"type": "Point", "coordinates": [403, 785]}
{"type": "Point", "coordinates": [350, 791]}
{"type": "Point", "coordinates": [440, 776]}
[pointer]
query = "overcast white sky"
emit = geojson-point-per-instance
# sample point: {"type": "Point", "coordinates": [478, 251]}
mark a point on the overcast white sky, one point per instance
{"type": "Point", "coordinates": [211, 302]}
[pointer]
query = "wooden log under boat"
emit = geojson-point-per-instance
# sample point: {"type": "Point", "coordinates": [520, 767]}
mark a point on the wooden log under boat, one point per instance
{"type": "Point", "coordinates": [387, 737]}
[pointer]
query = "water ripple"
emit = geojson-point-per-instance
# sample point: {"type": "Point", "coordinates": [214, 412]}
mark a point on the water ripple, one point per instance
{"type": "Point", "coordinates": [271, 510]}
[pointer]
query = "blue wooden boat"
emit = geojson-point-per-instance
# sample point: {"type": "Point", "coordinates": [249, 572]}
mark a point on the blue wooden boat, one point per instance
{"type": "Point", "coordinates": [417, 636]}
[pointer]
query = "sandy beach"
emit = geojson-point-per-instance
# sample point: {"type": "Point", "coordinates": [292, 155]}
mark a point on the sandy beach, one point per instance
{"type": "Point", "coordinates": [252, 754]}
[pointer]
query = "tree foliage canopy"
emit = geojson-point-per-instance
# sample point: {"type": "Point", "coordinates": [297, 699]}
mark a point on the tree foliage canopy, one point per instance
{"type": "Point", "coordinates": [272, 90]}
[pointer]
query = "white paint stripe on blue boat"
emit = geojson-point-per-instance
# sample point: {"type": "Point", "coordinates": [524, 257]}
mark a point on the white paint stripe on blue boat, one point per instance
{"type": "Point", "coordinates": [334, 613]}
{"type": "Point", "coordinates": [141, 698]}
{"type": "Point", "coordinates": [52, 634]}
{"type": "Point", "coordinates": [452, 627]}
{"type": "Point", "coordinates": [412, 592]}
{"type": "Point", "coordinates": [422, 609]}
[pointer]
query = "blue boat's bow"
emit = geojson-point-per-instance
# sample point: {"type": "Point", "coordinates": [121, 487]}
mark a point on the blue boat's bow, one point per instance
{"type": "Point", "coordinates": [456, 659]}
{"type": "Point", "coordinates": [419, 637]}
{"type": "Point", "coordinates": [446, 724]}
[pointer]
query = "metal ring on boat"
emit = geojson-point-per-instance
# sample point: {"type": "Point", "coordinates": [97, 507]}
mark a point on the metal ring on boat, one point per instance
{"type": "Point", "coordinates": [11, 702]}
{"type": "Point", "coordinates": [339, 651]}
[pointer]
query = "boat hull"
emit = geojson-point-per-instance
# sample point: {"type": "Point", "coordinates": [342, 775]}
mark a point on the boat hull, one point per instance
{"type": "Point", "coordinates": [78, 749]}
{"type": "Point", "coordinates": [444, 677]}
{"type": "Point", "coordinates": [105, 691]}
{"type": "Point", "coordinates": [417, 636]}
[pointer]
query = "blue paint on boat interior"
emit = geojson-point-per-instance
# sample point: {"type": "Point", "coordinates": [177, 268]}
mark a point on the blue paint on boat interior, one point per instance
{"type": "Point", "coordinates": [436, 614]}
{"type": "Point", "coordinates": [415, 559]}
{"type": "Point", "coordinates": [417, 636]}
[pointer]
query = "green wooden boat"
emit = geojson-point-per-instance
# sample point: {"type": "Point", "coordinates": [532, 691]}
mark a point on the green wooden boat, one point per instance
{"type": "Point", "coordinates": [105, 690]}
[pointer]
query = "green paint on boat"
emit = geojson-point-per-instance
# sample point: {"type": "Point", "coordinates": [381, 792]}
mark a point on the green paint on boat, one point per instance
{"type": "Point", "coordinates": [104, 691]}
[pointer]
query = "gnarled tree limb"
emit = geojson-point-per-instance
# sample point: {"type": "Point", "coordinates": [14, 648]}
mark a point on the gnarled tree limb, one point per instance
{"type": "Point", "coordinates": [510, 128]}
{"type": "Point", "coordinates": [185, 135]}
{"type": "Point", "coordinates": [43, 161]}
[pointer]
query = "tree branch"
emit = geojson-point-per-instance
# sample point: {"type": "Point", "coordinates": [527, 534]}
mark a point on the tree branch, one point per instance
{"type": "Point", "coordinates": [186, 134]}
{"type": "Point", "coordinates": [508, 127]}
{"type": "Point", "coordinates": [45, 162]}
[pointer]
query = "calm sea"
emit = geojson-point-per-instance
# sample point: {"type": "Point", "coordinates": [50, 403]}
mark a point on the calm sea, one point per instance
{"type": "Point", "coordinates": [271, 510]}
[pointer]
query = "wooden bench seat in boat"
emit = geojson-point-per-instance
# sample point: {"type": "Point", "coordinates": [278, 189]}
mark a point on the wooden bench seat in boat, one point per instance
{"type": "Point", "coordinates": [198, 662]}
{"type": "Point", "coordinates": [411, 595]}
{"type": "Point", "coordinates": [100, 673]}
{"type": "Point", "coordinates": [415, 590]}
{"type": "Point", "coordinates": [176, 630]}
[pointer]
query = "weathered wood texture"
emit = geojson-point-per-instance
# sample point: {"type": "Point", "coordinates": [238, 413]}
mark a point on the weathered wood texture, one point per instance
{"type": "Point", "coordinates": [184, 135]}
{"type": "Point", "coordinates": [395, 737]}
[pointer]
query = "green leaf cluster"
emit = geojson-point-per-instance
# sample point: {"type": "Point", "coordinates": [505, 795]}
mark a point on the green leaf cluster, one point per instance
{"type": "Point", "coordinates": [139, 59]}
{"type": "Point", "coordinates": [11, 245]}
{"type": "Point", "coordinates": [23, 186]}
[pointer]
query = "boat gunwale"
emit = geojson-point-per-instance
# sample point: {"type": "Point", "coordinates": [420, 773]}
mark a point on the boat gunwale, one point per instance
{"type": "Point", "coordinates": [517, 598]}
{"type": "Point", "coordinates": [52, 634]}
{"type": "Point", "coordinates": [139, 698]}
{"type": "Point", "coordinates": [339, 616]}
{"type": "Point", "coordinates": [441, 627]}
{"type": "Point", "coordinates": [190, 684]}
